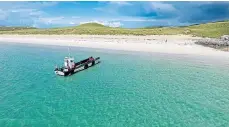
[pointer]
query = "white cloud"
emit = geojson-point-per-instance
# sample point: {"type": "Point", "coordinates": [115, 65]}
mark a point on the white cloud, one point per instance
{"type": "Point", "coordinates": [50, 3]}
{"type": "Point", "coordinates": [61, 20]}
{"type": "Point", "coordinates": [36, 13]}
{"type": "Point", "coordinates": [75, 17]}
{"type": "Point", "coordinates": [134, 19]}
{"type": "Point", "coordinates": [31, 14]}
{"type": "Point", "coordinates": [120, 3]}
{"type": "Point", "coordinates": [115, 24]}
{"type": "Point", "coordinates": [112, 6]}
{"type": "Point", "coordinates": [22, 10]}
{"type": "Point", "coordinates": [51, 20]}
{"type": "Point", "coordinates": [3, 14]}
{"type": "Point", "coordinates": [159, 6]}
{"type": "Point", "coordinates": [25, 5]}
{"type": "Point", "coordinates": [72, 23]}
{"type": "Point", "coordinates": [98, 9]}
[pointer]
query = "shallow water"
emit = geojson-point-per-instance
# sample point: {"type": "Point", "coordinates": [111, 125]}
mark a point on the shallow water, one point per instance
{"type": "Point", "coordinates": [126, 89]}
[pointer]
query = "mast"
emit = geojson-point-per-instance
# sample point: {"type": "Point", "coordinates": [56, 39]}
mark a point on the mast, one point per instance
{"type": "Point", "coordinates": [68, 51]}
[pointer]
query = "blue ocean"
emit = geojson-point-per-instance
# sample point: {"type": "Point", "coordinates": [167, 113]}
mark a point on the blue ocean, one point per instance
{"type": "Point", "coordinates": [131, 89]}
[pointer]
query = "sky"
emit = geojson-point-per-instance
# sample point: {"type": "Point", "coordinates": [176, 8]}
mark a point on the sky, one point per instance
{"type": "Point", "coordinates": [111, 13]}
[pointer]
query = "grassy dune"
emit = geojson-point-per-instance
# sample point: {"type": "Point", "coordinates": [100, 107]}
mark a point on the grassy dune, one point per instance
{"type": "Point", "coordinates": [215, 30]}
{"type": "Point", "coordinates": [4, 28]}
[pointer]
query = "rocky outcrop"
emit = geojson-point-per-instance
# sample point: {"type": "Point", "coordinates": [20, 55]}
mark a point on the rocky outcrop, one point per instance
{"type": "Point", "coordinates": [221, 43]}
{"type": "Point", "coordinates": [225, 37]}
{"type": "Point", "coordinates": [212, 41]}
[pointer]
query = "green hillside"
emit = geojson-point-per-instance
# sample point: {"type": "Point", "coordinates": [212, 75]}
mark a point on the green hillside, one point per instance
{"type": "Point", "coordinates": [5, 28]}
{"type": "Point", "coordinates": [215, 29]}
{"type": "Point", "coordinates": [94, 25]}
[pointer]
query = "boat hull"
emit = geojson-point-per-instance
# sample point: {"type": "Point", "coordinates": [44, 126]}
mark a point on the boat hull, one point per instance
{"type": "Point", "coordinates": [80, 67]}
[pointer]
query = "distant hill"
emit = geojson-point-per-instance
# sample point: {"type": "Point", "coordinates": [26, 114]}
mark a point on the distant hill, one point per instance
{"type": "Point", "coordinates": [214, 29]}
{"type": "Point", "coordinates": [90, 25]}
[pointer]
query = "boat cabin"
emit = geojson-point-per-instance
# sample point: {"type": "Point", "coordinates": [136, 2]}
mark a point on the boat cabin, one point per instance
{"type": "Point", "coordinates": [69, 63]}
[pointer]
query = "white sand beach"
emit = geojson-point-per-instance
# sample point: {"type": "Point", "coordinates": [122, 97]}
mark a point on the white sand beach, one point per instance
{"type": "Point", "coordinates": [175, 44]}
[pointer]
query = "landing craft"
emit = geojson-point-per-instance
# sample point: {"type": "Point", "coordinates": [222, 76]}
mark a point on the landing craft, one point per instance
{"type": "Point", "coordinates": [70, 67]}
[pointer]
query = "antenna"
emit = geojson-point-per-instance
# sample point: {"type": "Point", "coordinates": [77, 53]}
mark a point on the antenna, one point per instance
{"type": "Point", "coordinates": [68, 51]}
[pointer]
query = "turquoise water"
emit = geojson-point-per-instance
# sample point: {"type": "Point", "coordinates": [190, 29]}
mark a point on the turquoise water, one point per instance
{"type": "Point", "coordinates": [126, 89]}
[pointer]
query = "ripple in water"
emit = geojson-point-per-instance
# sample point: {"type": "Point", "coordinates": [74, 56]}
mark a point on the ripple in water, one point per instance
{"type": "Point", "coordinates": [124, 90]}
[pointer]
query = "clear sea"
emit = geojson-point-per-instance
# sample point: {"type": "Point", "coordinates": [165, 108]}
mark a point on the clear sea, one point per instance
{"type": "Point", "coordinates": [130, 89]}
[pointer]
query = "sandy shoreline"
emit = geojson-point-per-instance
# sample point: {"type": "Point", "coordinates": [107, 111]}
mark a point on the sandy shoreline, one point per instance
{"type": "Point", "coordinates": [175, 44]}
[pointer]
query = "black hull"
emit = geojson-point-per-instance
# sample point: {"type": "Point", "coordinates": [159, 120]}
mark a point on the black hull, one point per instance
{"type": "Point", "coordinates": [76, 71]}
{"type": "Point", "coordinates": [80, 66]}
